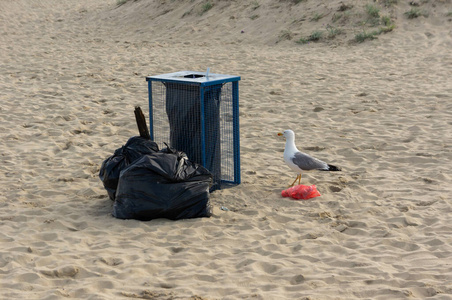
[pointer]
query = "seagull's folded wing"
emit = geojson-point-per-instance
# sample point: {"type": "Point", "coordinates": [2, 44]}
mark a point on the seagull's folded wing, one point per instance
{"type": "Point", "coordinates": [306, 162]}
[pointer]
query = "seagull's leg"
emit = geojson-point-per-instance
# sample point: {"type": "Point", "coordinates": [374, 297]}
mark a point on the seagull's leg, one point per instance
{"type": "Point", "coordinates": [298, 176]}
{"type": "Point", "coordinates": [299, 179]}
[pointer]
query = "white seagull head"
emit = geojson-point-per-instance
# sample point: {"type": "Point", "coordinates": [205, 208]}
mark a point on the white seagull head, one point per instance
{"type": "Point", "coordinates": [288, 134]}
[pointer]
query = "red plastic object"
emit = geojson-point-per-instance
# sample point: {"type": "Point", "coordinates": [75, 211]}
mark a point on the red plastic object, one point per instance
{"type": "Point", "coordinates": [301, 192]}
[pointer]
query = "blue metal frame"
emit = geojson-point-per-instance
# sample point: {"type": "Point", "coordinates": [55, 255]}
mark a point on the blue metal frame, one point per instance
{"type": "Point", "coordinates": [236, 131]}
{"type": "Point", "coordinates": [200, 79]}
{"type": "Point", "coordinates": [151, 113]}
{"type": "Point", "coordinates": [203, 127]}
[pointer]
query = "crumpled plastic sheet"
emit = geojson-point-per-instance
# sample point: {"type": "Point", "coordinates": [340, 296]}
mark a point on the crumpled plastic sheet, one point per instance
{"type": "Point", "coordinates": [301, 192]}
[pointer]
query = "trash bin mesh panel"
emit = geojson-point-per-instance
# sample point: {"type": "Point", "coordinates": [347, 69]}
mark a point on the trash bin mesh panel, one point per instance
{"type": "Point", "coordinates": [160, 124]}
{"type": "Point", "coordinates": [227, 133]}
{"type": "Point", "coordinates": [177, 121]}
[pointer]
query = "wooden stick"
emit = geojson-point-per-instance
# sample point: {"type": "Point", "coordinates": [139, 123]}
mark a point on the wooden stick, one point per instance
{"type": "Point", "coordinates": [141, 123]}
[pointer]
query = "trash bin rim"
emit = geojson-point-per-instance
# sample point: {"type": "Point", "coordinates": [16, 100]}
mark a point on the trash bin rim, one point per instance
{"type": "Point", "coordinates": [179, 77]}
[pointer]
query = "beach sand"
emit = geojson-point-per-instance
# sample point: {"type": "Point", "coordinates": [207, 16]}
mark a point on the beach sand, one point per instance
{"type": "Point", "coordinates": [72, 73]}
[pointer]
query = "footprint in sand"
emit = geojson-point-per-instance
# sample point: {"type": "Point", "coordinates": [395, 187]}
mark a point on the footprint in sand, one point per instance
{"type": "Point", "coordinates": [67, 271]}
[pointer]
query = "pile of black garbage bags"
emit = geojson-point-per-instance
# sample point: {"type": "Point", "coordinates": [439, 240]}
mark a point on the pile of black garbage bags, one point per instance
{"type": "Point", "coordinates": [146, 183]}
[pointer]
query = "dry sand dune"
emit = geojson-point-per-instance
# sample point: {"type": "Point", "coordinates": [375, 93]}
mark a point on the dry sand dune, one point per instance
{"type": "Point", "coordinates": [72, 72]}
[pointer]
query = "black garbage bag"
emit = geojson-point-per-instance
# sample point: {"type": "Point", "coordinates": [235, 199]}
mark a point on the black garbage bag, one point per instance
{"type": "Point", "coordinates": [111, 168]}
{"type": "Point", "coordinates": [163, 185]}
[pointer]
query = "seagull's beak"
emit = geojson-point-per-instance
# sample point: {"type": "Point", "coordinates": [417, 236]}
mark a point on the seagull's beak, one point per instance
{"type": "Point", "coordinates": [280, 134]}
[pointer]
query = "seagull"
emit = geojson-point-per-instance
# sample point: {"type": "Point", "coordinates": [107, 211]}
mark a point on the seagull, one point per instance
{"type": "Point", "coordinates": [299, 161]}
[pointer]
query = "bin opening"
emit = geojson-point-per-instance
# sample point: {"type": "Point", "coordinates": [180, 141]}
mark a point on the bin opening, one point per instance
{"type": "Point", "coordinates": [193, 76]}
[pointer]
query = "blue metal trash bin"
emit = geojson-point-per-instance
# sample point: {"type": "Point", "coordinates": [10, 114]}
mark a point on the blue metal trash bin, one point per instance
{"type": "Point", "coordinates": [198, 113]}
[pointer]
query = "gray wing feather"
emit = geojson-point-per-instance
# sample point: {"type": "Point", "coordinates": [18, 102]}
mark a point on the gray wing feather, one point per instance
{"type": "Point", "coordinates": [306, 162]}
